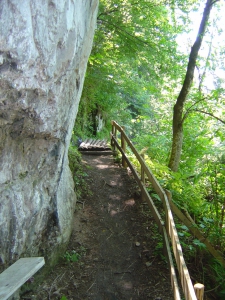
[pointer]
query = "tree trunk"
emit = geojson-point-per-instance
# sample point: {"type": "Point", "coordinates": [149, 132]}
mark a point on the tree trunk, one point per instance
{"type": "Point", "coordinates": [178, 107]}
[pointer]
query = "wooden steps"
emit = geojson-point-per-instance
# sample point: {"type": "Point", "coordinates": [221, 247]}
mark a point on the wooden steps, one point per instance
{"type": "Point", "coordinates": [92, 146]}
{"type": "Point", "coordinates": [17, 274]}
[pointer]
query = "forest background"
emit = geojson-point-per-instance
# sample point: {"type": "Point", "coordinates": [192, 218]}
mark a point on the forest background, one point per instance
{"type": "Point", "coordinates": [135, 75]}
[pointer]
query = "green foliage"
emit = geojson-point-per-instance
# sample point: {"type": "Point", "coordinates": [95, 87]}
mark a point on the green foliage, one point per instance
{"type": "Point", "coordinates": [79, 174]}
{"type": "Point", "coordinates": [187, 196]}
{"type": "Point", "coordinates": [73, 255]}
{"type": "Point", "coordinates": [199, 244]}
{"type": "Point", "coordinates": [198, 186]}
{"type": "Point", "coordinates": [215, 277]}
{"type": "Point", "coordinates": [133, 50]}
{"type": "Point", "coordinates": [104, 133]}
{"type": "Point", "coordinates": [133, 76]}
{"type": "Point", "coordinates": [63, 298]}
{"type": "Point", "coordinates": [117, 157]}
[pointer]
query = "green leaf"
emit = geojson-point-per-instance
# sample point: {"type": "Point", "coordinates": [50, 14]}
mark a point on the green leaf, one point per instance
{"type": "Point", "coordinates": [156, 196]}
{"type": "Point", "coordinates": [199, 244]}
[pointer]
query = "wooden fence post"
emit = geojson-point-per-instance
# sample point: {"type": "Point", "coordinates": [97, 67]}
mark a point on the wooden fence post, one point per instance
{"type": "Point", "coordinates": [142, 177]}
{"type": "Point", "coordinates": [199, 291]}
{"type": "Point", "coordinates": [114, 132]}
{"type": "Point", "coordinates": [169, 196]}
{"type": "Point", "coordinates": [112, 142]}
{"type": "Point", "coordinates": [123, 146]}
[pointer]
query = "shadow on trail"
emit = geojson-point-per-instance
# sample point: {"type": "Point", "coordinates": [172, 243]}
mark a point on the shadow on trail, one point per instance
{"type": "Point", "coordinates": [122, 261]}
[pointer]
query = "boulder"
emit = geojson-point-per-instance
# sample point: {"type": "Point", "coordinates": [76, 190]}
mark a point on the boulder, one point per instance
{"type": "Point", "coordinates": [44, 48]}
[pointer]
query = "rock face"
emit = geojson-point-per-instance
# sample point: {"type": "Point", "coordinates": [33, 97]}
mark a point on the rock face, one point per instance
{"type": "Point", "coordinates": [44, 47]}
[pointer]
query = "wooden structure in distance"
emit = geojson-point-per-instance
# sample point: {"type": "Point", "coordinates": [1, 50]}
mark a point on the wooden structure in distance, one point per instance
{"type": "Point", "coordinates": [94, 145]}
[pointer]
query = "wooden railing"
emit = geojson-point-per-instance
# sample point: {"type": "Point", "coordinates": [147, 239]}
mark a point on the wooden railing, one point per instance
{"type": "Point", "coordinates": [167, 226]}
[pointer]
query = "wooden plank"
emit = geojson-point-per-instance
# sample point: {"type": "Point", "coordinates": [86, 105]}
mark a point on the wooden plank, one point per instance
{"type": "Point", "coordinates": [96, 152]}
{"type": "Point", "coordinates": [17, 274]}
{"type": "Point", "coordinates": [88, 142]}
{"type": "Point", "coordinates": [94, 144]}
{"type": "Point", "coordinates": [199, 291]}
{"type": "Point", "coordinates": [116, 125]}
{"type": "Point", "coordinates": [85, 144]}
{"type": "Point", "coordinates": [181, 265]}
{"type": "Point", "coordinates": [176, 292]}
{"type": "Point", "coordinates": [123, 146]}
{"type": "Point", "coordinates": [178, 254]}
{"type": "Point", "coordinates": [102, 143]}
{"type": "Point", "coordinates": [82, 145]}
{"type": "Point", "coordinates": [142, 179]}
{"type": "Point", "coordinates": [99, 144]}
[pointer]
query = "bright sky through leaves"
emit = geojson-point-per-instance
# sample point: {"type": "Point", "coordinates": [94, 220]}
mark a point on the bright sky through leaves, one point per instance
{"type": "Point", "coordinates": [216, 28]}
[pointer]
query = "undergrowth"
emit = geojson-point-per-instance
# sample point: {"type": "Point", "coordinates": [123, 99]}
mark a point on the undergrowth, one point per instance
{"type": "Point", "coordinates": [74, 255]}
{"type": "Point", "coordinates": [189, 197]}
{"type": "Point", "coordinates": [78, 172]}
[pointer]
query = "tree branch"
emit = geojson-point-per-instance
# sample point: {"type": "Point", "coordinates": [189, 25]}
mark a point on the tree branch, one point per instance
{"type": "Point", "coordinates": [120, 29]}
{"type": "Point", "coordinates": [215, 1]}
{"type": "Point", "coordinates": [190, 108]}
{"type": "Point", "coordinates": [105, 13]}
{"type": "Point", "coordinates": [182, 97]}
{"type": "Point", "coordinates": [206, 62]}
{"type": "Point", "coordinates": [210, 114]}
{"type": "Point", "coordinates": [194, 54]}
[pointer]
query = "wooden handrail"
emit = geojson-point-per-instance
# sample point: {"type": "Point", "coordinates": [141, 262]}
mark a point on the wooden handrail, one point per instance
{"type": "Point", "coordinates": [167, 228]}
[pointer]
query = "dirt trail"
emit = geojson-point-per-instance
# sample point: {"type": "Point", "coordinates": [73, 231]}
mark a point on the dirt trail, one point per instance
{"type": "Point", "coordinates": [115, 235]}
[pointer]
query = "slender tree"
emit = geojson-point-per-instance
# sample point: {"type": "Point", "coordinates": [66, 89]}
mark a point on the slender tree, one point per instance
{"type": "Point", "coordinates": [178, 118]}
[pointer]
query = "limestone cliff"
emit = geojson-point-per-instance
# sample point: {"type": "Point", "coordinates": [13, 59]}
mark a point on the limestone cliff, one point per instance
{"type": "Point", "coordinates": [44, 47]}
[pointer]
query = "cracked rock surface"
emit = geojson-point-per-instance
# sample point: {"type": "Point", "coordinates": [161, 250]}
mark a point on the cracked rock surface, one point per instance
{"type": "Point", "coordinates": [44, 48]}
